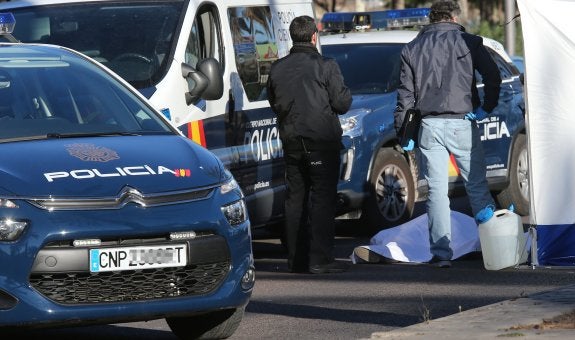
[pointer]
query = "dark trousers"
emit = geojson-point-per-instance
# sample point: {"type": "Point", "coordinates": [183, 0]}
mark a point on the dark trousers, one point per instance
{"type": "Point", "coordinates": [310, 206]}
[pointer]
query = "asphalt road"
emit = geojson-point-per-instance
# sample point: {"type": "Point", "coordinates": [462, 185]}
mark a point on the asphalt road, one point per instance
{"type": "Point", "coordinates": [368, 298]}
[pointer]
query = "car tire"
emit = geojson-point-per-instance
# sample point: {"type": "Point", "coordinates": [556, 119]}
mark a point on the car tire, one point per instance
{"type": "Point", "coordinates": [517, 192]}
{"type": "Point", "coordinates": [392, 191]}
{"type": "Point", "coordinates": [215, 325]}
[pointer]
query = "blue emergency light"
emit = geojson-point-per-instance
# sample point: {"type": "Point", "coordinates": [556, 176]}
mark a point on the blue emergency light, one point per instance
{"type": "Point", "coordinates": [407, 17]}
{"type": "Point", "coordinates": [7, 23]}
{"type": "Point", "coordinates": [390, 19]}
{"type": "Point", "coordinates": [338, 21]}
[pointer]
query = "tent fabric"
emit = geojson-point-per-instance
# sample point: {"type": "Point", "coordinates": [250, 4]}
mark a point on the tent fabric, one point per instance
{"type": "Point", "coordinates": [554, 244]}
{"type": "Point", "coordinates": [409, 242]}
{"type": "Point", "coordinates": [549, 46]}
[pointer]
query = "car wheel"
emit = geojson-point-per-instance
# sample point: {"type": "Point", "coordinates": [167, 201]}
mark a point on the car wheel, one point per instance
{"type": "Point", "coordinates": [215, 325]}
{"type": "Point", "coordinates": [392, 191]}
{"type": "Point", "coordinates": [517, 193]}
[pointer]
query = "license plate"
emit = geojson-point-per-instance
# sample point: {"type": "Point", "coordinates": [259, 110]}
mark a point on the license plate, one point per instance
{"type": "Point", "coordinates": [140, 257]}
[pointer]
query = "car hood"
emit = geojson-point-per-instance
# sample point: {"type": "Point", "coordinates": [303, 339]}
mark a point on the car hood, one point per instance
{"type": "Point", "coordinates": [103, 166]}
{"type": "Point", "coordinates": [373, 101]}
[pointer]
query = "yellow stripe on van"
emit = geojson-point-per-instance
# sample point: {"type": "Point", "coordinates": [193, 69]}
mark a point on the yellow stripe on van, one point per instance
{"type": "Point", "coordinates": [196, 132]}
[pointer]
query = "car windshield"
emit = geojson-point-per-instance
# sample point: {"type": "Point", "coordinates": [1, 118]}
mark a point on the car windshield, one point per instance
{"type": "Point", "coordinates": [45, 94]}
{"type": "Point", "coordinates": [367, 68]}
{"type": "Point", "coordinates": [133, 40]}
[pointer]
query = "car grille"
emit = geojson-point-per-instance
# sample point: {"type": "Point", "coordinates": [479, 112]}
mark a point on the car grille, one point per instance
{"type": "Point", "coordinates": [72, 282]}
{"type": "Point", "coordinates": [127, 195]}
{"type": "Point", "coordinates": [137, 285]}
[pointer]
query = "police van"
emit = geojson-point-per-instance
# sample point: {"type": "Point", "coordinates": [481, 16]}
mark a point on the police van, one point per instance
{"type": "Point", "coordinates": [159, 46]}
{"type": "Point", "coordinates": [380, 182]}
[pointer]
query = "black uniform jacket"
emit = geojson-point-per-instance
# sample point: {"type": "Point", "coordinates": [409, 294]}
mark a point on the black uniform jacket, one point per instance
{"type": "Point", "coordinates": [307, 93]}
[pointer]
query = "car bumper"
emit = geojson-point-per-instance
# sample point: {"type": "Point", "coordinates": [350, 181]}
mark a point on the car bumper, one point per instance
{"type": "Point", "coordinates": [49, 282]}
{"type": "Point", "coordinates": [353, 184]}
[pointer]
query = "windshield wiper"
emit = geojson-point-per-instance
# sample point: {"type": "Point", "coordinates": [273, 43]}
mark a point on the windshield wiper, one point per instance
{"type": "Point", "coordinates": [90, 134]}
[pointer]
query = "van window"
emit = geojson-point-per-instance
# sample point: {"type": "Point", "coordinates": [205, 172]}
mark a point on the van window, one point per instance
{"type": "Point", "coordinates": [255, 47]}
{"type": "Point", "coordinates": [205, 39]}
{"type": "Point", "coordinates": [133, 40]}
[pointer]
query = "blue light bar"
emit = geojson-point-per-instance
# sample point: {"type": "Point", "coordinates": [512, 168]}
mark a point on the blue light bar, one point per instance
{"type": "Point", "coordinates": [338, 21]}
{"type": "Point", "coordinates": [390, 19]}
{"type": "Point", "coordinates": [407, 17]}
{"type": "Point", "coordinates": [7, 23]}
{"type": "Point", "coordinates": [408, 13]}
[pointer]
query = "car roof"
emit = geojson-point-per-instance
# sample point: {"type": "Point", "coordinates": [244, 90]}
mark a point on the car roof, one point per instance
{"type": "Point", "coordinates": [29, 3]}
{"type": "Point", "coordinates": [367, 37]}
{"type": "Point", "coordinates": [13, 51]}
{"type": "Point", "coordinates": [393, 37]}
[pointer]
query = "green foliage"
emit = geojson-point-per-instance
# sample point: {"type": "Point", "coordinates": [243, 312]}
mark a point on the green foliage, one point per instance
{"type": "Point", "coordinates": [497, 32]}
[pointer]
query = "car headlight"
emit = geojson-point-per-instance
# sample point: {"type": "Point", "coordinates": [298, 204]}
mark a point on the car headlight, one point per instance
{"type": "Point", "coordinates": [351, 122]}
{"type": "Point", "coordinates": [236, 212]}
{"type": "Point", "coordinates": [229, 186]}
{"type": "Point", "coordinates": [11, 230]}
{"type": "Point", "coordinates": [5, 203]}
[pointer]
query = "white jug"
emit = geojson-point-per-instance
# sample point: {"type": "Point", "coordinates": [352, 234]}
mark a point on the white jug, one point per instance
{"type": "Point", "coordinates": [503, 241]}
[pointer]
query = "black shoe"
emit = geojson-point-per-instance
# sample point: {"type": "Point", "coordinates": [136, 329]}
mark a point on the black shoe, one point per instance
{"type": "Point", "coordinates": [298, 266]}
{"type": "Point", "coordinates": [299, 270]}
{"type": "Point", "coordinates": [332, 267]}
{"type": "Point", "coordinates": [439, 263]}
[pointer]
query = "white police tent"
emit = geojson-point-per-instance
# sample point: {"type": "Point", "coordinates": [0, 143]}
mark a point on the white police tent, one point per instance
{"type": "Point", "coordinates": [549, 44]}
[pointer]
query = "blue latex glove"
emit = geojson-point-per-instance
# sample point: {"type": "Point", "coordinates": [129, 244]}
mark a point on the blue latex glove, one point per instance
{"type": "Point", "coordinates": [478, 114]}
{"type": "Point", "coordinates": [409, 145]}
{"type": "Point", "coordinates": [470, 116]}
{"type": "Point", "coordinates": [485, 214]}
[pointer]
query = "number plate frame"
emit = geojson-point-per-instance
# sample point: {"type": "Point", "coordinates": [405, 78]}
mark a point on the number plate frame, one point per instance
{"type": "Point", "coordinates": [138, 257]}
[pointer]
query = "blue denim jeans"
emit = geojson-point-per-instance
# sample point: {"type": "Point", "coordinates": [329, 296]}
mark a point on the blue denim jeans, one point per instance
{"type": "Point", "coordinates": [438, 137]}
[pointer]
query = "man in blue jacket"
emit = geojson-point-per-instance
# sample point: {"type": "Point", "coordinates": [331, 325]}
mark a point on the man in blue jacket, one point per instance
{"type": "Point", "coordinates": [307, 93]}
{"type": "Point", "coordinates": [438, 79]}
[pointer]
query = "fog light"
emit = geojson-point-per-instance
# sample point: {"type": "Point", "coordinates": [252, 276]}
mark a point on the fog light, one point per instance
{"type": "Point", "coordinates": [183, 235]}
{"type": "Point", "coordinates": [249, 279]}
{"type": "Point", "coordinates": [7, 301]}
{"type": "Point", "coordinates": [11, 230]}
{"type": "Point", "coordinates": [87, 242]}
{"type": "Point", "coordinates": [236, 212]}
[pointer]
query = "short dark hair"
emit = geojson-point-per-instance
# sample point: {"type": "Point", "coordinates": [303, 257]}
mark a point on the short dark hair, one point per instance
{"type": "Point", "coordinates": [302, 28]}
{"type": "Point", "coordinates": [444, 10]}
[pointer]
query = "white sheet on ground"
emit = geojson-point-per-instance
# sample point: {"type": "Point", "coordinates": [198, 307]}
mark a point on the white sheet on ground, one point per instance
{"type": "Point", "coordinates": [409, 242]}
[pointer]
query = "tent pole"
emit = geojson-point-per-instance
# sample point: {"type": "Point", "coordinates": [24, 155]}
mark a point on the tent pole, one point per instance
{"type": "Point", "coordinates": [533, 234]}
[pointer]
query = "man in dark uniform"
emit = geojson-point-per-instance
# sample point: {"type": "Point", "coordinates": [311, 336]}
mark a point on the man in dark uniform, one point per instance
{"type": "Point", "coordinates": [307, 93]}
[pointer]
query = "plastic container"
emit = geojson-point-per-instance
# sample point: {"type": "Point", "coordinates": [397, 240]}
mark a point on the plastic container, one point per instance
{"type": "Point", "coordinates": [503, 241]}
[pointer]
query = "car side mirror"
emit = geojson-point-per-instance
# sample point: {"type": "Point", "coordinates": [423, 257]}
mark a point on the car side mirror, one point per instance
{"type": "Point", "coordinates": [208, 79]}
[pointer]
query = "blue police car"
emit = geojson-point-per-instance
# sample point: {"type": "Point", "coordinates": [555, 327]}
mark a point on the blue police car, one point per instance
{"type": "Point", "coordinates": [380, 182]}
{"type": "Point", "coordinates": [107, 212]}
